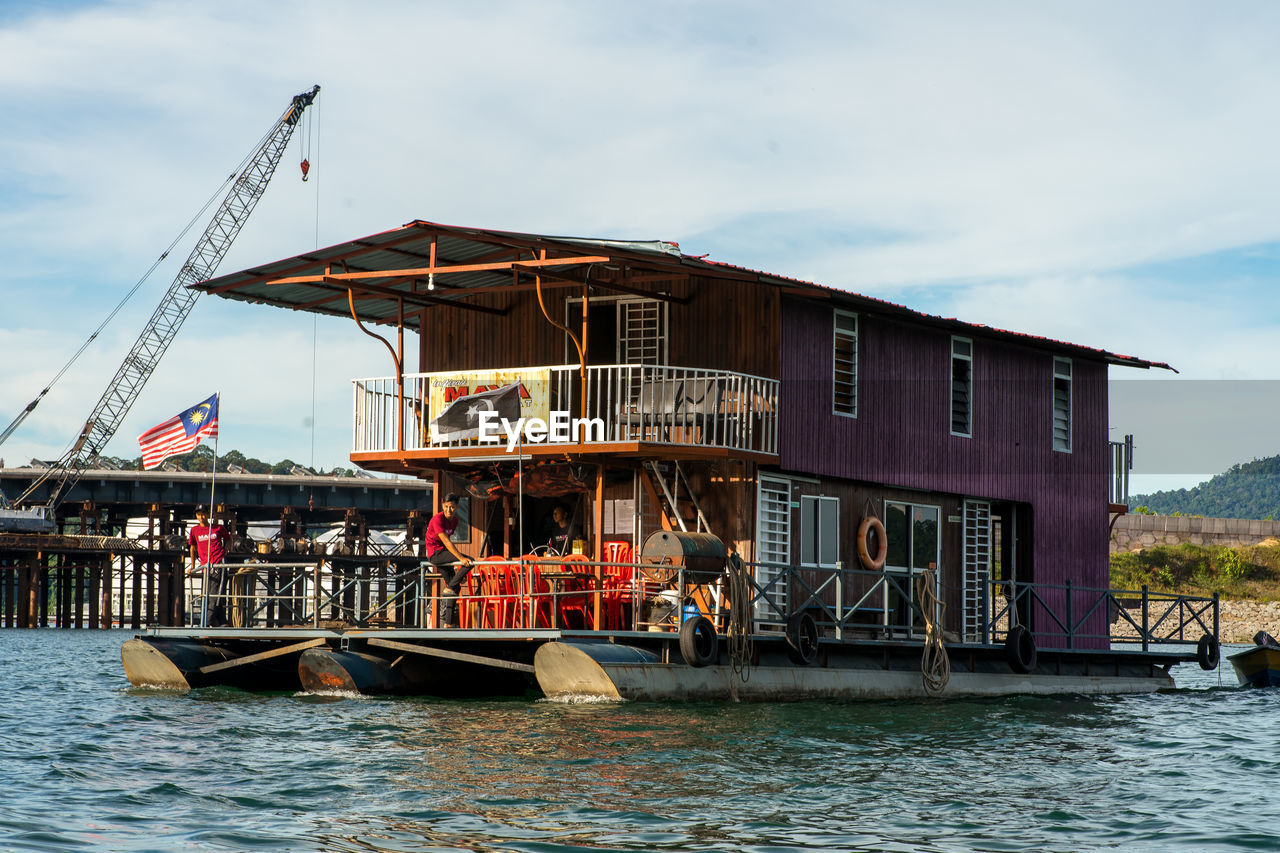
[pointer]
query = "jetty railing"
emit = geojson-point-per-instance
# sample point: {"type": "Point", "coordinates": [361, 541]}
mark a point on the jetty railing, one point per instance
{"type": "Point", "coordinates": [611, 405]}
{"type": "Point", "coordinates": [572, 592]}
{"type": "Point", "coordinates": [1070, 613]}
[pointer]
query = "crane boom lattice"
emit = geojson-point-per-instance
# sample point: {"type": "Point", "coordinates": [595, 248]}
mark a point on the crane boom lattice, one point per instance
{"type": "Point", "coordinates": [158, 334]}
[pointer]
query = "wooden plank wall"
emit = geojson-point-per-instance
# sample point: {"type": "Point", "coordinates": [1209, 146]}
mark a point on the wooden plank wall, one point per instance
{"type": "Point", "coordinates": [725, 324]}
{"type": "Point", "coordinates": [902, 433]}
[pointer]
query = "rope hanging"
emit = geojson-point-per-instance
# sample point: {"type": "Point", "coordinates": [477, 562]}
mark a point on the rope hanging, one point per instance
{"type": "Point", "coordinates": [739, 633]}
{"type": "Point", "coordinates": [935, 666]}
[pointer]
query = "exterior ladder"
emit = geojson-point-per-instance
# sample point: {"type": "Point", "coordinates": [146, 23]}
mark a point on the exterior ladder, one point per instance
{"type": "Point", "coordinates": [977, 568]}
{"type": "Point", "coordinates": [667, 497]}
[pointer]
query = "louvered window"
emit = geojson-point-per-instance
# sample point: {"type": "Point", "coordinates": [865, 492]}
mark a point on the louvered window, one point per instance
{"type": "Point", "coordinates": [844, 398]}
{"type": "Point", "coordinates": [962, 387]}
{"type": "Point", "coordinates": [1062, 404]}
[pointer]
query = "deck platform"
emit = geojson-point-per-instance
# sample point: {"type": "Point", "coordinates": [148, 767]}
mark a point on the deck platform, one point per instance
{"type": "Point", "coordinates": [619, 665]}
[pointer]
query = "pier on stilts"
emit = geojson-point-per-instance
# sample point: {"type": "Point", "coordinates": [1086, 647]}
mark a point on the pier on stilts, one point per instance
{"type": "Point", "coordinates": [116, 557]}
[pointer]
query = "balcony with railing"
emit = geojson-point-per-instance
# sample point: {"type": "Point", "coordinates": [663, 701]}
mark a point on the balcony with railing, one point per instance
{"type": "Point", "coordinates": [603, 409]}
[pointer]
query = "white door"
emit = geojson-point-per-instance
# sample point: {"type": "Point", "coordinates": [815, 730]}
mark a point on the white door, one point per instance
{"type": "Point", "coordinates": [977, 567]}
{"type": "Point", "coordinates": [773, 547]}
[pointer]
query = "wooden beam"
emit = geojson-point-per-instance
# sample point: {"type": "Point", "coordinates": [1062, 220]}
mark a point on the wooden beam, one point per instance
{"type": "Point", "coordinates": [305, 262]}
{"type": "Point", "coordinates": [607, 285]}
{"type": "Point", "coordinates": [481, 660]}
{"type": "Point", "coordinates": [373, 291]}
{"type": "Point", "coordinates": [271, 653]}
{"type": "Point", "coordinates": [419, 272]}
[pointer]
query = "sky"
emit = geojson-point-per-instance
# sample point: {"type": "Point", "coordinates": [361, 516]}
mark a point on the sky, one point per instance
{"type": "Point", "coordinates": [1099, 173]}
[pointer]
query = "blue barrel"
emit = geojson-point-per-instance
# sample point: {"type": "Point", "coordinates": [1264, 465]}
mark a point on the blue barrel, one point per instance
{"type": "Point", "coordinates": [689, 611]}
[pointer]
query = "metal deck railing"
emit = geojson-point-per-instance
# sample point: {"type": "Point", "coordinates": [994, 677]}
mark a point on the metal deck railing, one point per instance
{"type": "Point", "coordinates": [572, 592]}
{"type": "Point", "coordinates": [618, 404]}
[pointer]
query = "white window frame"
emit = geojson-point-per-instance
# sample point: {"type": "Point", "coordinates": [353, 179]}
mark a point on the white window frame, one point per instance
{"type": "Point", "coordinates": [1062, 372]}
{"type": "Point", "coordinates": [958, 343]}
{"type": "Point", "coordinates": [910, 570]}
{"type": "Point", "coordinates": [819, 531]}
{"type": "Point", "coordinates": [852, 383]}
{"type": "Point", "coordinates": [623, 341]}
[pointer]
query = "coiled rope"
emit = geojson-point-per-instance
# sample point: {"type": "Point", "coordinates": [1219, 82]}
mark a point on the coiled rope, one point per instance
{"type": "Point", "coordinates": [741, 649]}
{"type": "Point", "coordinates": [935, 666]}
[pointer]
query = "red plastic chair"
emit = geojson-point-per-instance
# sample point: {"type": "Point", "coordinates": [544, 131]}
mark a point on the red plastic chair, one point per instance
{"type": "Point", "coordinates": [618, 576]}
{"type": "Point", "coordinates": [497, 604]}
{"type": "Point", "coordinates": [537, 589]}
{"type": "Point", "coordinates": [468, 598]}
{"type": "Point", "coordinates": [577, 594]}
{"type": "Point", "coordinates": [617, 552]}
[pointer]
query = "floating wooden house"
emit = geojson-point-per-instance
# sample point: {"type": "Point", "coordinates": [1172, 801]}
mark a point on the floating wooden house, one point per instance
{"type": "Point", "coordinates": [825, 482]}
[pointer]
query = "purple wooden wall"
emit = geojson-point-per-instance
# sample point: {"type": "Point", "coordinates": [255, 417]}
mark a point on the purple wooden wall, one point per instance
{"type": "Point", "coordinates": [902, 433]}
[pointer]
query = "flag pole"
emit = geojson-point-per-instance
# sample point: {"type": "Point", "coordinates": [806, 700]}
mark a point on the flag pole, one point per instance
{"type": "Point", "coordinates": [213, 485]}
{"type": "Point", "coordinates": [213, 480]}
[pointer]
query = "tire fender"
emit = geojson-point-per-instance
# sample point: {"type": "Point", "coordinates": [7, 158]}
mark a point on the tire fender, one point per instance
{"type": "Point", "coordinates": [1208, 652]}
{"type": "Point", "coordinates": [802, 639]}
{"type": "Point", "coordinates": [1020, 650]}
{"type": "Point", "coordinates": [699, 645]}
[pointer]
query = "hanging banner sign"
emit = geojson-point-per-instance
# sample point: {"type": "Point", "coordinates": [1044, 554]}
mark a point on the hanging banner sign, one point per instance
{"type": "Point", "coordinates": [458, 399]}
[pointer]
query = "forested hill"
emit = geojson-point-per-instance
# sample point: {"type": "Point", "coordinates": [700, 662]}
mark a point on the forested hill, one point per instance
{"type": "Point", "coordinates": [1251, 490]}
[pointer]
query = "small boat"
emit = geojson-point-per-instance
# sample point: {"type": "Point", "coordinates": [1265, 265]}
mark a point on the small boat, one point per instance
{"type": "Point", "coordinates": [1259, 666]}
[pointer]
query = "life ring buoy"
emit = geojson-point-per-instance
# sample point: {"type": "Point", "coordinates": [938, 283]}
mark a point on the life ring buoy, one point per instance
{"type": "Point", "coordinates": [802, 639]}
{"type": "Point", "coordinates": [699, 645]}
{"type": "Point", "coordinates": [1020, 650]}
{"type": "Point", "coordinates": [1208, 652]}
{"type": "Point", "coordinates": [869, 524]}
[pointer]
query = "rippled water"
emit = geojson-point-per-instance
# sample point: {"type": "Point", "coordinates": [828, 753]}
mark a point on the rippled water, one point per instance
{"type": "Point", "coordinates": [86, 762]}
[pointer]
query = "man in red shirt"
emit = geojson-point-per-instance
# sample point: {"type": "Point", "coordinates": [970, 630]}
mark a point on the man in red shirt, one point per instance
{"type": "Point", "coordinates": [208, 548]}
{"type": "Point", "coordinates": [442, 554]}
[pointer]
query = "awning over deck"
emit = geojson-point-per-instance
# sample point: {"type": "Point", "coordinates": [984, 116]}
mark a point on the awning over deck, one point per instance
{"type": "Point", "coordinates": [397, 277]}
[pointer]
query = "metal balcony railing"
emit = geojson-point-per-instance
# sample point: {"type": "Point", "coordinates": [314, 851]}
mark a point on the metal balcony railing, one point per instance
{"type": "Point", "coordinates": [616, 404]}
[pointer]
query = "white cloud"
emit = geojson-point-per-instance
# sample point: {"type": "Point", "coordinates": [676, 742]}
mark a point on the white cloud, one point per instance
{"type": "Point", "coordinates": [1013, 160]}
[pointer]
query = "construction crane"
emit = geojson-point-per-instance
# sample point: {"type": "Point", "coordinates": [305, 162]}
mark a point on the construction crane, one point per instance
{"type": "Point", "coordinates": [123, 390]}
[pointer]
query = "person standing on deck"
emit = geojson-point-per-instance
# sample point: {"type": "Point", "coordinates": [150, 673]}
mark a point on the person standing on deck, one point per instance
{"type": "Point", "coordinates": [208, 548]}
{"type": "Point", "coordinates": [562, 531]}
{"type": "Point", "coordinates": [445, 556]}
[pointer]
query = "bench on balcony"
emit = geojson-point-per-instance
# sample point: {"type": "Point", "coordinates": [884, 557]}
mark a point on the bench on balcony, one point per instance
{"type": "Point", "coordinates": [672, 408]}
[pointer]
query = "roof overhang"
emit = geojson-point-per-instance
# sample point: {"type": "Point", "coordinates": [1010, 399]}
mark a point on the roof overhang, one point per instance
{"type": "Point", "coordinates": [394, 276]}
{"type": "Point", "coordinates": [398, 277]}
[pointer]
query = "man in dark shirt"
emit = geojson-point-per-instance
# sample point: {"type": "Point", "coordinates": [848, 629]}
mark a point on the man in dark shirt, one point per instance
{"type": "Point", "coordinates": [562, 531]}
{"type": "Point", "coordinates": [442, 554]}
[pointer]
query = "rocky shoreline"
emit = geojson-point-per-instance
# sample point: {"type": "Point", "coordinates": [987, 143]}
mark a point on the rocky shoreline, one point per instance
{"type": "Point", "coordinates": [1238, 621]}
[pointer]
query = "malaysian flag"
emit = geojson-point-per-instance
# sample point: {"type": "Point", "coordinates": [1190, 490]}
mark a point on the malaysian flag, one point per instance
{"type": "Point", "coordinates": [180, 434]}
{"type": "Point", "coordinates": [461, 418]}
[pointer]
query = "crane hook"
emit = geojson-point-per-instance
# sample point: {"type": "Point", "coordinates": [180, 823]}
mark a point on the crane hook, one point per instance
{"type": "Point", "coordinates": [306, 167]}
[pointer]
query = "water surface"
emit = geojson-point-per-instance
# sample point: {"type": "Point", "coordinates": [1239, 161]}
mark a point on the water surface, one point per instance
{"type": "Point", "coordinates": [91, 763]}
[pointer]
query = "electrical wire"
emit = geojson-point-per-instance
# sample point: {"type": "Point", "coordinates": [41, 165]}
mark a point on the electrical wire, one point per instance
{"type": "Point", "coordinates": [312, 117]}
{"type": "Point", "coordinates": [191, 223]}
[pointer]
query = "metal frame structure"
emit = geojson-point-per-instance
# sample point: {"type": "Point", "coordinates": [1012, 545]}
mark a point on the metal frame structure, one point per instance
{"type": "Point", "coordinates": [123, 390]}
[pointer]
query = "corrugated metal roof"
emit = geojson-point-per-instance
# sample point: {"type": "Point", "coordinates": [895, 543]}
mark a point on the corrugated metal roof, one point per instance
{"type": "Point", "coordinates": [379, 298]}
